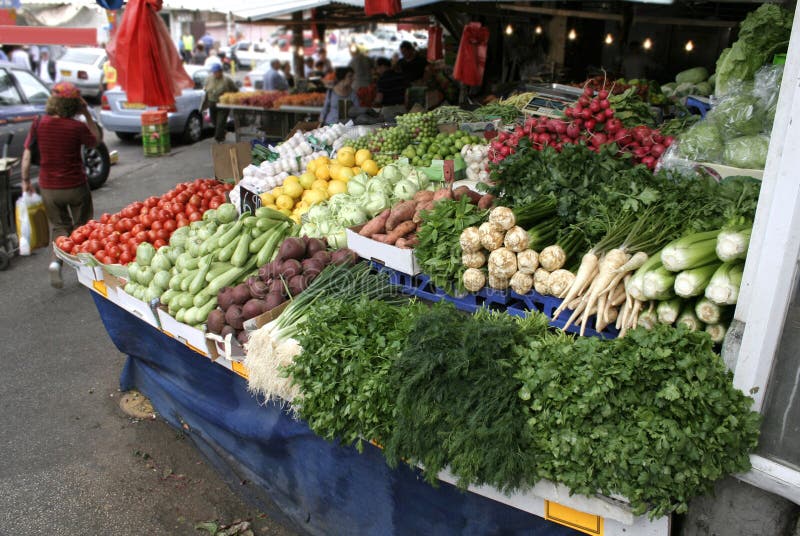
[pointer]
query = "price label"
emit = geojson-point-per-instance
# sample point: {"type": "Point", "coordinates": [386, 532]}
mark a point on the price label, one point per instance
{"type": "Point", "coordinates": [239, 369]}
{"type": "Point", "coordinates": [250, 200]}
{"type": "Point", "coordinates": [569, 517]}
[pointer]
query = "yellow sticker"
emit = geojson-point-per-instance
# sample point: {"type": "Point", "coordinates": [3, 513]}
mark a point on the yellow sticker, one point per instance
{"type": "Point", "coordinates": [100, 287]}
{"type": "Point", "coordinates": [581, 521]}
{"type": "Point", "coordinates": [239, 369]}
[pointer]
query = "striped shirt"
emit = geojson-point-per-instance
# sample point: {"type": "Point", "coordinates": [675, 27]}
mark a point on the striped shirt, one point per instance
{"type": "Point", "coordinates": [60, 141]}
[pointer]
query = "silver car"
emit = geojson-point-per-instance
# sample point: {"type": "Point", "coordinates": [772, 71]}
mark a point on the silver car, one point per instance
{"type": "Point", "coordinates": [124, 118]}
{"type": "Point", "coordinates": [84, 68]}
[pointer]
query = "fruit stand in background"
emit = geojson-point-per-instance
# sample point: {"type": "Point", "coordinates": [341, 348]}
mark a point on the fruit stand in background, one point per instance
{"type": "Point", "coordinates": [270, 114]}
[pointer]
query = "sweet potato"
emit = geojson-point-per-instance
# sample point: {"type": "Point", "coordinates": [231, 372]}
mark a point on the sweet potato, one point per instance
{"type": "Point", "coordinates": [379, 237]}
{"type": "Point", "coordinates": [426, 205]}
{"type": "Point", "coordinates": [462, 191]}
{"type": "Point", "coordinates": [401, 212]}
{"type": "Point", "coordinates": [444, 193]}
{"type": "Point", "coordinates": [407, 243]}
{"type": "Point", "coordinates": [486, 201]}
{"type": "Point", "coordinates": [376, 224]}
{"type": "Point", "coordinates": [400, 231]}
{"type": "Point", "coordinates": [423, 196]}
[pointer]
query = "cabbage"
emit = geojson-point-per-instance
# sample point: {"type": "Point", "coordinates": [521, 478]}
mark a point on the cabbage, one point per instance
{"type": "Point", "coordinates": [738, 115]}
{"type": "Point", "coordinates": [702, 142]}
{"type": "Point", "coordinates": [703, 88]}
{"type": "Point", "coordinates": [318, 213]}
{"type": "Point", "coordinates": [310, 230]}
{"type": "Point", "coordinates": [351, 215]}
{"type": "Point", "coordinates": [358, 184]}
{"type": "Point", "coordinates": [748, 152]}
{"type": "Point", "coordinates": [378, 185]}
{"type": "Point", "coordinates": [692, 76]}
{"type": "Point", "coordinates": [376, 203]}
{"type": "Point", "coordinates": [391, 173]}
{"type": "Point", "coordinates": [419, 178]}
{"type": "Point", "coordinates": [405, 189]}
{"type": "Point", "coordinates": [337, 240]}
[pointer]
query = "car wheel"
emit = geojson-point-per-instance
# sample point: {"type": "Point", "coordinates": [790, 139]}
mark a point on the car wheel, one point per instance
{"type": "Point", "coordinates": [193, 131]}
{"type": "Point", "coordinates": [97, 164]}
{"type": "Point", "coordinates": [126, 136]}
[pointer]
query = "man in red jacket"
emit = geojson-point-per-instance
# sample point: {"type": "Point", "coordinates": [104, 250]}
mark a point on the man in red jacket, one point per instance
{"type": "Point", "coordinates": [58, 137]}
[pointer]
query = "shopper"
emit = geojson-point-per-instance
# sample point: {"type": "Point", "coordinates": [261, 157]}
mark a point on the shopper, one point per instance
{"type": "Point", "coordinates": [207, 41]}
{"type": "Point", "coordinates": [21, 58]}
{"type": "Point", "coordinates": [342, 90]}
{"type": "Point", "coordinates": [200, 56]}
{"type": "Point", "coordinates": [47, 67]}
{"type": "Point", "coordinates": [59, 138]}
{"type": "Point", "coordinates": [308, 66]}
{"type": "Point", "coordinates": [35, 55]}
{"type": "Point", "coordinates": [216, 85]}
{"type": "Point", "coordinates": [286, 69]}
{"type": "Point", "coordinates": [274, 79]}
{"type": "Point", "coordinates": [322, 55]}
{"type": "Point", "coordinates": [362, 67]}
{"type": "Point", "coordinates": [411, 64]}
{"type": "Point", "coordinates": [212, 59]}
{"type": "Point", "coordinates": [187, 46]}
{"type": "Point", "coordinates": [391, 86]}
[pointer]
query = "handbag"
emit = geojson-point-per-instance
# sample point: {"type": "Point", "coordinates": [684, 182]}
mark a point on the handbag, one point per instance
{"type": "Point", "coordinates": [33, 146]}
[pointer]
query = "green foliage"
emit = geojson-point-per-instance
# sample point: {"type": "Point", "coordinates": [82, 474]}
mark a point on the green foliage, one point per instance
{"type": "Point", "coordinates": [348, 349]}
{"type": "Point", "coordinates": [653, 416]}
{"type": "Point", "coordinates": [438, 251]}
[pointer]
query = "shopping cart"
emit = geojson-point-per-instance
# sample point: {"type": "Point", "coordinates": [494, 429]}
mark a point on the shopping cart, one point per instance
{"type": "Point", "coordinates": [8, 238]}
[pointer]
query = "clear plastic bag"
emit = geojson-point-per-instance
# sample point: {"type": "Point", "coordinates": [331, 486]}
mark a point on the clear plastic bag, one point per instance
{"type": "Point", "coordinates": [25, 233]}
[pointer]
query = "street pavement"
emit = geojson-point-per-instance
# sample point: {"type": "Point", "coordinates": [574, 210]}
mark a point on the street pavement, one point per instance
{"type": "Point", "coordinates": [71, 462]}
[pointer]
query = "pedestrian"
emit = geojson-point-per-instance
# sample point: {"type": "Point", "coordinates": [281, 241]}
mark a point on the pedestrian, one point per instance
{"type": "Point", "coordinates": [34, 53]}
{"type": "Point", "coordinates": [391, 89]}
{"type": "Point", "coordinates": [212, 59]}
{"type": "Point", "coordinates": [308, 66]}
{"type": "Point", "coordinates": [362, 67]}
{"type": "Point", "coordinates": [21, 58]}
{"type": "Point", "coordinates": [286, 69]}
{"type": "Point", "coordinates": [200, 56]}
{"type": "Point", "coordinates": [217, 85]}
{"type": "Point", "coordinates": [59, 139]}
{"type": "Point", "coordinates": [207, 40]}
{"type": "Point", "coordinates": [322, 55]}
{"type": "Point", "coordinates": [273, 78]}
{"type": "Point", "coordinates": [187, 46]}
{"type": "Point", "coordinates": [47, 67]}
{"type": "Point", "coordinates": [342, 90]}
{"type": "Point", "coordinates": [411, 64]}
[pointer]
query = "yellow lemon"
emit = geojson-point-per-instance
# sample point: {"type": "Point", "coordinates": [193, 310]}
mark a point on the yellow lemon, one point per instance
{"type": "Point", "coordinates": [312, 197]}
{"type": "Point", "coordinates": [320, 185]}
{"type": "Point", "coordinates": [273, 206]}
{"type": "Point", "coordinates": [277, 192]}
{"type": "Point", "coordinates": [291, 179]}
{"type": "Point", "coordinates": [293, 189]}
{"type": "Point", "coordinates": [323, 173]}
{"type": "Point", "coordinates": [370, 167]}
{"type": "Point", "coordinates": [307, 179]}
{"type": "Point", "coordinates": [345, 174]}
{"type": "Point", "coordinates": [267, 199]}
{"type": "Point", "coordinates": [346, 158]}
{"type": "Point", "coordinates": [363, 155]}
{"type": "Point", "coordinates": [323, 160]}
{"type": "Point", "coordinates": [336, 187]}
{"type": "Point", "coordinates": [284, 202]}
{"type": "Point", "coordinates": [334, 169]}
{"type": "Point", "coordinates": [347, 149]}
{"type": "Point", "coordinates": [312, 166]}
{"type": "Point", "coordinates": [356, 170]}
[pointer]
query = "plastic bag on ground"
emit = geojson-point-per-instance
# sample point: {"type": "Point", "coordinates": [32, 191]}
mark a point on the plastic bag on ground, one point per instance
{"type": "Point", "coordinates": [148, 66]}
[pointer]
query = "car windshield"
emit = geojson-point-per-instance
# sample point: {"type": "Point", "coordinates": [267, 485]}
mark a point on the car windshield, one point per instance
{"type": "Point", "coordinates": [87, 57]}
{"type": "Point", "coordinates": [34, 90]}
{"type": "Point", "coordinates": [8, 92]}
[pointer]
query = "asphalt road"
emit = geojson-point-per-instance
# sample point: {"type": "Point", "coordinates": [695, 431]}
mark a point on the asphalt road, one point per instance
{"type": "Point", "coordinates": [71, 462]}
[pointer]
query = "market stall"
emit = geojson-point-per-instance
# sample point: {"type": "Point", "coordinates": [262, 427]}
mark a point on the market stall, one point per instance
{"type": "Point", "coordinates": [525, 299]}
{"type": "Point", "coordinates": [271, 114]}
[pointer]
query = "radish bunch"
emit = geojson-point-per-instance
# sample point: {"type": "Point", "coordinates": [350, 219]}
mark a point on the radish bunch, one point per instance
{"type": "Point", "coordinates": [590, 121]}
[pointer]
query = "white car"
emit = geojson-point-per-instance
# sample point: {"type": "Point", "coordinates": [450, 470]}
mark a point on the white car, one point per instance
{"type": "Point", "coordinates": [250, 54]}
{"type": "Point", "coordinates": [84, 68]}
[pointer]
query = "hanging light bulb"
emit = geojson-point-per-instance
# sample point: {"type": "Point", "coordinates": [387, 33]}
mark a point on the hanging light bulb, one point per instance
{"type": "Point", "coordinates": [648, 44]}
{"type": "Point", "coordinates": [509, 30]}
{"type": "Point", "coordinates": [572, 35]}
{"type": "Point", "coordinates": [537, 30]}
{"type": "Point", "coordinates": [609, 39]}
{"type": "Point", "coordinates": [689, 46]}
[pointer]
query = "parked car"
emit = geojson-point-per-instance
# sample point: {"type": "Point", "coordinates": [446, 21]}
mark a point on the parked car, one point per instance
{"type": "Point", "coordinates": [185, 119]}
{"type": "Point", "coordinates": [23, 96]}
{"type": "Point", "coordinates": [84, 68]}
{"type": "Point", "coordinates": [248, 54]}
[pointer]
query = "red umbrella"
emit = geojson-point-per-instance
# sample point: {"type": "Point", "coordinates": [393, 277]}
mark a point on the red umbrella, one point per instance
{"type": "Point", "coordinates": [382, 7]}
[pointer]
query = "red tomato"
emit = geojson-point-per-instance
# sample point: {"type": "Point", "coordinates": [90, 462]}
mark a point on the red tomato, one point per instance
{"type": "Point", "coordinates": [213, 204]}
{"type": "Point", "coordinates": [125, 257]}
{"type": "Point", "coordinates": [136, 229]}
{"type": "Point", "coordinates": [195, 216]}
{"type": "Point", "coordinates": [162, 234]}
{"type": "Point", "coordinates": [208, 194]}
{"type": "Point", "coordinates": [182, 223]}
{"type": "Point", "coordinates": [164, 215]}
{"type": "Point", "coordinates": [204, 205]}
{"type": "Point", "coordinates": [176, 208]}
{"type": "Point", "coordinates": [190, 209]}
{"type": "Point", "coordinates": [67, 244]}
{"type": "Point", "coordinates": [183, 197]}
{"type": "Point", "coordinates": [147, 220]}
{"type": "Point", "coordinates": [93, 246]}
{"type": "Point", "coordinates": [151, 236]}
{"type": "Point", "coordinates": [159, 243]}
{"type": "Point", "coordinates": [170, 225]}
{"type": "Point", "coordinates": [104, 218]}
{"type": "Point", "coordinates": [141, 236]}
{"type": "Point", "coordinates": [151, 201]}
{"type": "Point", "coordinates": [113, 238]}
{"type": "Point", "coordinates": [157, 225]}
{"type": "Point", "coordinates": [195, 200]}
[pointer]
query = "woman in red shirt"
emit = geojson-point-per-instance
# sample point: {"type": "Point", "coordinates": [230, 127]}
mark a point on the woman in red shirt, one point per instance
{"type": "Point", "coordinates": [62, 179]}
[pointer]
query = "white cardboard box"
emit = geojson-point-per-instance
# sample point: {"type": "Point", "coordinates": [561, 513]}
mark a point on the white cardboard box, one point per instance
{"type": "Point", "coordinates": [190, 336]}
{"type": "Point", "coordinates": [402, 260]}
{"type": "Point", "coordinates": [138, 308]}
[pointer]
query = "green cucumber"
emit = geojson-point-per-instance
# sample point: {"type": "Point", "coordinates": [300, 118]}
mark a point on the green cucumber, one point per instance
{"type": "Point", "coordinates": [213, 241]}
{"type": "Point", "coordinates": [202, 298]}
{"type": "Point", "coordinates": [270, 247]}
{"type": "Point", "coordinates": [242, 252]}
{"type": "Point", "coordinates": [180, 316]}
{"type": "Point", "coordinates": [168, 295]}
{"type": "Point", "coordinates": [259, 241]}
{"type": "Point", "coordinates": [272, 214]}
{"type": "Point", "coordinates": [190, 317]}
{"type": "Point", "coordinates": [249, 221]}
{"type": "Point", "coordinates": [199, 279]}
{"type": "Point", "coordinates": [227, 251]}
{"type": "Point", "coordinates": [230, 277]}
{"type": "Point", "coordinates": [217, 268]}
{"type": "Point", "coordinates": [187, 279]}
{"type": "Point", "coordinates": [205, 310]}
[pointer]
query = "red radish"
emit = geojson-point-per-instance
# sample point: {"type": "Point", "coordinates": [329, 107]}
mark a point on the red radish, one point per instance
{"type": "Point", "coordinates": [590, 124]}
{"type": "Point", "coordinates": [657, 150]}
{"type": "Point", "coordinates": [668, 141]}
{"type": "Point", "coordinates": [573, 131]}
{"type": "Point", "coordinates": [602, 94]}
{"type": "Point", "coordinates": [588, 92]}
{"type": "Point", "coordinates": [599, 139]}
{"type": "Point", "coordinates": [594, 106]}
{"type": "Point", "coordinates": [649, 161]}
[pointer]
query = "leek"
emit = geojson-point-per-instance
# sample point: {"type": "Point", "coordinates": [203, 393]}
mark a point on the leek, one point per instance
{"type": "Point", "coordinates": [723, 289]}
{"type": "Point", "coordinates": [648, 319]}
{"type": "Point", "coordinates": [717, 332]}
{"type": "Point", "coordinates": [689, 319]}
{"type": "Point", "coordinates": [693, 282]}
{"type": "Point", "coordinates": [690, 251]}
{"type": "Point", "coordinates": [733, 244]}
{"type": "Point", "coordinates": [708, 311]}
{"type": "Point", "coordinates": [635, 285]}
{"type": "Point", "coordinates": [658, 284]}
{"type": "Point", "coordinates": [668, 311]}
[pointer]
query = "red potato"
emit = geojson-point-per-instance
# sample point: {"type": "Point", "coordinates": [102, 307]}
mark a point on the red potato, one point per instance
{"type": "Point", "coordinates": [401, 212]}
{"type": "Point", "coordinates": [376, 224]}
{"type": "Point", "coordinates": [400, 231]}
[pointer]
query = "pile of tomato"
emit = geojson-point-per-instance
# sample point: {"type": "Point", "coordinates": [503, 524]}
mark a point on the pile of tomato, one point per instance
{"type": "Point", "coordinates": [113, 239]}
